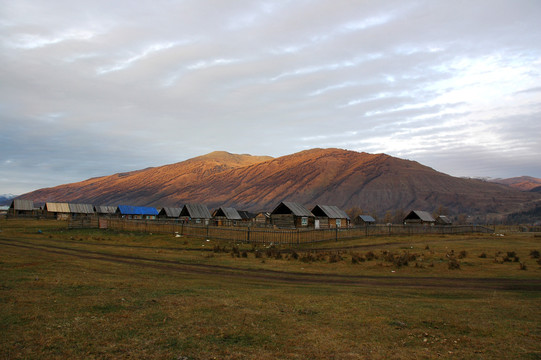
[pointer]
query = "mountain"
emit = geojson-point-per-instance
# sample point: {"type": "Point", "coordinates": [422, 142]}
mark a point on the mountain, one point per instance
{"type": "Point", "coordinates": [5, 199]}
{"type": "Point", "coordinates": [374, 182]}
{"type": "Point", "coordinates": [524, 183]}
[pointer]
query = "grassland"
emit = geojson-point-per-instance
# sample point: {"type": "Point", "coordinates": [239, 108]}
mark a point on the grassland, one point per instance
{"type": "Point", "coordinates": [103, 295]}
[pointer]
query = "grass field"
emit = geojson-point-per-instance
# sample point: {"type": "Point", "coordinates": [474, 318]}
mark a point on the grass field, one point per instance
{"type": "Point", "coordinates": [103, 295]}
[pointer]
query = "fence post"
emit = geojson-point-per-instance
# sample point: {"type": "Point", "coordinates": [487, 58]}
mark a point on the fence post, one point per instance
{"type": "Point", "coordinates": [336, 233]}
{"type": "Point", "coordinates": [248, 236]}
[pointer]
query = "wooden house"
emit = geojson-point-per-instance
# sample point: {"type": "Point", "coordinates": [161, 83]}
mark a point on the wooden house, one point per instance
{"type": "Point", "coordinates": [22, 208]}
{"type": "Point", "coordinates": [329, 216]}
{"type": "Point", "coordinates": [262, 219]}
{"type": "Point", "coordinates": [170, 213]}
{"type": "Point", "coordinates": [364, 220]}
{"type": "Point", "coordinates": [196, 213]}
{"type": "Point", "coordinates": [59, 211]}
{"type": "Point", "coordinates": [226, 216]}
{"type": "Point", "coordinates": [80, 210]}
{"type": "Point", "coordinates": [443, 220]}
{"type": "Point", "coordinates": [136, 212]}
{"type": "Point", "coordinates": [291, 215]}
{"type": "Point", "coordinates": [105, 210]}
{"type": "Point", "coordinates": [246, 216]}
{"type": "Point", "coordinates": [417, 217]}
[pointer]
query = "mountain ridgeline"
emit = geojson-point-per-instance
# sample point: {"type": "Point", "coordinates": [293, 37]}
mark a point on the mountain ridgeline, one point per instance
{"type": "Point", "coordinates": [376, 183]}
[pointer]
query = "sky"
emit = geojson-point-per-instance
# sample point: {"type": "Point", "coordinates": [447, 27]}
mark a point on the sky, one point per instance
{"type": "Point", "coordinates": [93, 88]}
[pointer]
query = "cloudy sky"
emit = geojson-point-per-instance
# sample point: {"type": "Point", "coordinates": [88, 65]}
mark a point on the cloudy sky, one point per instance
{"type": "Point", "coordinates": [98, 87]}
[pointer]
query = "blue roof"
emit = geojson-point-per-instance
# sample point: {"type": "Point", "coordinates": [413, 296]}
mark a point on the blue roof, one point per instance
{"type": "Point", "coordinates": [137, 210]}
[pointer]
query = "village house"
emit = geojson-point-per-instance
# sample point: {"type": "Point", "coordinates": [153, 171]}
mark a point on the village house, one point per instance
{"type": "Point", "coordinates": [80, 210]}
{"type": "Point", "coordinates": [20, 208]}
{"type": "Point", "coordinates": [329, 216]}
{"type": "Point", "coordinates": [136, 212]}
{"type": "Point", "coordinates": [170, 213]}
{"type": "Point", "coordinates": [443, 220]}
{"type": "Point", "coordinates": [105, 210]}
{"type": "Point", "coordinates": [196, 213]}
{"type": "Point", "coordinates": [226, 216]}
{"type": "Point", "coordinates": [419, 217]}
{"type": "Point", "coordinates": [364, 220]}
{"type": "Point", "coordinates": [59, 211]}
{"type": "Point", "coordinates": [291, 215]}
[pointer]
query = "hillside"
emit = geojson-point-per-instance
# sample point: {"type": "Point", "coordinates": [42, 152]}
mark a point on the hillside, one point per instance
{"type": "Point", "coordinates": [524, 183]}
{"type": "Point", "coordinates": [374, 182]}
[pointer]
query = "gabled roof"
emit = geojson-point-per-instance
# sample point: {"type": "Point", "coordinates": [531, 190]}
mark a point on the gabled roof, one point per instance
{"type": "Point", "coordinates": [105, 209]}
{"type": "Point", "coordinates": [81, 208]}
{"type": "Point", "coordinates": [172, 212]}
{"type": "Point", "coordinates": [288, 207]}
{"type": "Point", "coordinates": [136, 210]}
{"type": "Point", "coordinates": [245, 215]}
{"type": "Point", "coordinates": [196, 211]}
{"type": "Point", "coordinates": [443, 219]}
{"type": "Point", "coordinates": [228, 212]}
{"type": "Point", "coordinates": [19, 204]}
{"type": "Point", "coordinates": [57, 207]}
{"type": "Point", "coordinates": [330, 211]}
{"type": "Point", "coordinates": [419, 214]}
{"type": "Point", "coordinates": [367, 218]}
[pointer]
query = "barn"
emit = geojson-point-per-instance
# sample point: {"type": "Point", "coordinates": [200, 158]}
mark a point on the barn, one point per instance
{"type": "Point", "coordinates": [226, 216]}
{"type": "Point", "coordinates": [169, 213]}
{"type": "Point", "coordinates": [419, 217]}
{"type": "Point", "coordinates": [19, 208]}
{"type": "Point", "coordinates": [292, 215]}
{"type": "Point", "coordinates": [136, 212]}
{"type": "Point", "coordinates": [329, 216]}
{"type": "Point", "coordinates": [197, 213]}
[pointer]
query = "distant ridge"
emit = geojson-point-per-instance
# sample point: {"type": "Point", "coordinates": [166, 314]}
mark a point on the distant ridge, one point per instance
{"type": "Point", "coordinates": [377, 183]}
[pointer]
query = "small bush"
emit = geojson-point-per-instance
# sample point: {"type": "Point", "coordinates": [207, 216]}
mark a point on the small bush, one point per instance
{"type": "Point", "coordinates": [522, 266]}
{"type": "Point", "coordinates": [356, 258]}
{"type": "Point", "coordinates": [307, 258]}
{"type": "Point", "coordinates": [244, 254]}
{"type": "Point", "coordinates": [483, 256]}
{"type": "Point", "coordinates": [462, 254]}
{"type": "Point", "coordinates": [294, 255]}
{"type": "Point", "coordinates": [453, 264]}
{"type": "Point", "coordinates": [333, 258]}
{"type": "Point", "coordinates": [258, 254]}
{"type": "Point", "coordinates": [511, 254]}
{"type": "Point", "coordinates": [534, 254]}
{"type": "Point", "coordinates": [370, 256]}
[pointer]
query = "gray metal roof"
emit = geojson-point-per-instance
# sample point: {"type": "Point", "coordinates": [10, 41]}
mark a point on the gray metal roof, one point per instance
{"type": "Point", "coordinates": [105, 209]}
{"type": "Point", "coordinates": [196, 211]}
{"type": "Point", "coordinates": [367, 218]}
{"type": "Point", "coordinates": [19, 204]}
{"type": "Point", "coordinates": [81, 208]}
{"type": "Point", "coordinates": [331, 211]}
{"type": "Point", "coordinates": [229, 212]}
{"type": "Point", "coordinates": [423, 215]}
{"type": "Point", "coordinates": [172, 212]}
{"type": "Point", "coordinates": [443, 219]}
{"type": "Point", "coordinates": [294, 208]}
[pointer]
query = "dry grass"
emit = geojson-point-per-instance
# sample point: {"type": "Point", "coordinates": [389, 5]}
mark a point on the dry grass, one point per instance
{"type": "Point", "coordinates": [57, 305]}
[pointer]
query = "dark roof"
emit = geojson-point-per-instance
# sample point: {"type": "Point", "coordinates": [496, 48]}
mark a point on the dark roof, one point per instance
{"type": "Point", "coordinates": [105, 209]}
{"type": "Point", "coordinates": [288, 207]}
{"type": "Point", "coordinates": [367, 218]}
{"type": "Point", "coordinates": [228, 212]}
{"type": "Point", "coordinates": [419, 214]}
{"type": "Point", "coordinates": [196, 211]}
{"type": "Point", "coordinates": [81, 208]}
{"type": "Point", "coordinates": [245, 215]}
{"type": "Point", "coordinates": [19, 204]}
{"type": "Point", "coordinates": [443, 219]}
{"type": "Point", "coordinates": [136, 210]}
{"type": "Point", "coordinates": [172, 212]}
{"type": "Point", "coordinates": [330, 211]}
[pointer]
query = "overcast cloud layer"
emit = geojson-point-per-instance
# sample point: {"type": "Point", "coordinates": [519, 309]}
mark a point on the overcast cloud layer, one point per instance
{"type": "Point", "coordinates": [99, 87]}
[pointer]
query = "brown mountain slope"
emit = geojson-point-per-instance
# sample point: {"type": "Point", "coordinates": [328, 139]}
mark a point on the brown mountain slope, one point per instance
{"type": "Point", "coordinates": [524, 183]}
{"type": "Point", "coordinates": [374, 182]}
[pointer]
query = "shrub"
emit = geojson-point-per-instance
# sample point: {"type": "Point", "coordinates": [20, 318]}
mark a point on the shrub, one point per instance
{"type": "Point", "coordinates": [534, 254]}
{"type": "Point", "coordinates": [370, 256]}
{"type": "Point", "coordinates": [453, 264]}
{"type": "Point", "coordinates": [462, 254]}
{"type": "Point", "coordinates": [244, 254]}
{"type": "Point", "coordinates": [483, 256]}
{"type": "Point", "coordinates": [522, 266]}
{"type": "Point", "coordinates": [294, 255]}
{"type": "Point", "coordinates": [511, 254]}
{"type": "Point", "coordinates": [333, 258]}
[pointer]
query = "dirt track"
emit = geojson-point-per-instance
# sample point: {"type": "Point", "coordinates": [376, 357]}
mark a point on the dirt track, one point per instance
{"type": "Point", "coordinates": [281, 276]}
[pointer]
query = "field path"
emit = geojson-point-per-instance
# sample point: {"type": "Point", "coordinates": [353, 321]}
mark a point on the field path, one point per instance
{"type": "Point", "coordinates": [281, 276]}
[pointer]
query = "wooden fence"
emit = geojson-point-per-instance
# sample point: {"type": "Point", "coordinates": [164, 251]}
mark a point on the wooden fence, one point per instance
{"type": "Point", "coordinates": [257, 235]}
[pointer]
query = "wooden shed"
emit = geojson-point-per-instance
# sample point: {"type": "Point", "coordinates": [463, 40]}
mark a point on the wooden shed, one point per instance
{"type": "Point", "coordinates": [197, 213]}
{"type": "Point", "coordinates": [59, 211]}
{"type": "Point", "coordinates": [22, 208]}
{"type": "Point", "coordinates": [330, 216]}
{"type": "Point", "coordinates": [81, 210]}
{"type": "Point", "coordinates": [419, 217]}
{"type": "Point", "coordinates": [364, 220]}
{"type": "Point", "coordinates": [443, 220]}
{"type": "Point", "coordinates": [170, 213]}
{"type": "Point", "coordinates": [292, 215]}
{"type": "Point", "coordinates": [226, 216]}
{"type": "Point", "coordinates": [262, 219]}
{"type": "Point", "coordinates": [105, 210]}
